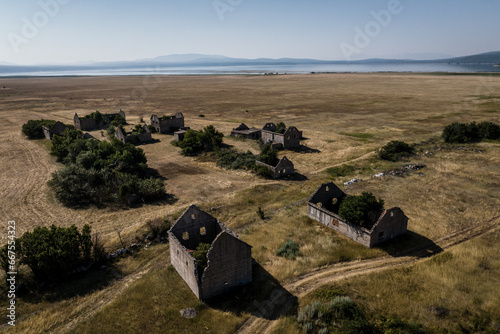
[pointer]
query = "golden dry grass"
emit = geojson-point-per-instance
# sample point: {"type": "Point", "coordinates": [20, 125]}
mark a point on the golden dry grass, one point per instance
{"type": "Point", "coordinates": [344, 117]}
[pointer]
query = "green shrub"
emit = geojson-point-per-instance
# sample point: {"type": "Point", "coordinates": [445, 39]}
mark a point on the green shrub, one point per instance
{"type": "Point", "coordinates": [461, 133]}
{"type": "Point", "coordinates": [200, 255]}
{"type": "Point", "coordinates": [33, 128]}
{"type": "Point", "coordinates": [268, 155]}
{"type": "Point", "coordinates": [281, 127]}
{"type": "Point", "coordinates": [195, 142]}
{"type": "Point", "coordinates": [396, 150]}
{"type": "Point", "coordinates": [289, 249]}
{"type": "Point", "coordinates": [489, 130]}
{"type": "Point", "coordinates": [52, 253]}
{"type": "Point", "coordinates": [361, 210]}
{"type": "Point", "coordinates": [138, 129]}
{"type": "Point", "coordinates": [101, 172]}
{"type": "Point", "coordinates": [234, 160]}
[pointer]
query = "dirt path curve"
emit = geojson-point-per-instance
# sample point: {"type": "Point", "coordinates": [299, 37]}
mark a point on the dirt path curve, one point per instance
{"type": "Point", "coordinates": [304, 284]}
{"type": "Point", "coordinates": [96, 303]}
{"type": "Point", "coordinates": [364, 156]}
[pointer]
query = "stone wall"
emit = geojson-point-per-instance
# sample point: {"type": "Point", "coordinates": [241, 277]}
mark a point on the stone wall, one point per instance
{"type": "Point", "coordinates": [229, 258]}
{"type": "Point", "coordinates": [229, 266]}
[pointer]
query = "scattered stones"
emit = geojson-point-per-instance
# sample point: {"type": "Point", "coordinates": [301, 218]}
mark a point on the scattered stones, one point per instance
{"type": "Point", "coordinates": [189, 313]}
{"type": "Point", "coordinates": [351, 182]}
{"type": "Point", "coordinates": [408, 169]}
{"type": "Point", "coordinates": [380, 175]}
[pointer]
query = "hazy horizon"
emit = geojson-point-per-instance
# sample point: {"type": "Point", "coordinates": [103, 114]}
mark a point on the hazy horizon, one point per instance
{"type": "Point", "coordinates": [68, 32]}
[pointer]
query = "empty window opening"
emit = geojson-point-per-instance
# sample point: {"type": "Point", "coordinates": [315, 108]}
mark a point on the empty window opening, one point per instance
{"type": "Point", "coordinates": [392, 213]}
{"type": "Point", "coordinates": [327, 188]}
{"type": "Point", "coordinates": [284, 171]}
{"type": "Point", "coordinates": [381, 235]}
{"type": "Point", "coordinates": [203, 230]}
{"type": "Point", "coordinates": [320, 204]}
{"type": "Point", "coordinates": [185, 235]}
{"type": "Point", "coordinates": [193, 216]}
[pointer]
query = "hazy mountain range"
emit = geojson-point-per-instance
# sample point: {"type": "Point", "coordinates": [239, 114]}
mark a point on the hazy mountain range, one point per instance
{"type": "Point", "coordinates": [185, 60]}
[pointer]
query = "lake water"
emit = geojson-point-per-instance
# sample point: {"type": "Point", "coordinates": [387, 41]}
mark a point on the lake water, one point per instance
{"type": "Point", "coordinates": [252, 69]}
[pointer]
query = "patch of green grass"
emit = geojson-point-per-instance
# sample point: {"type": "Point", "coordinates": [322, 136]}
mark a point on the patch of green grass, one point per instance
{"type": "Point", "coordinates": [490, 111]}
{"type": "Point", "coordinates": [153, 304]}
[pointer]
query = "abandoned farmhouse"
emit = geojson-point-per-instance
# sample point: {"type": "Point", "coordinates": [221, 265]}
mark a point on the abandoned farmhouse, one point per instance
{"type": "Point", "coordinates": [322, 206]}
{"type": "Point", "coordinates": [289, 139]}
{"type": "Point", "coordinates": [229, 259]}
{"type": "Point", "coordinates": [283, 168]}
{"type": "Point", "coordinates": [246, 132]}
{"type": "Point", "coordinates": [88, 123]}
{"type": "Point", "coordinates": [134, 138]}
{"type": "Point", "coordinates": [268, 135]}
{"type": "Point", "coordinates": [167, 124]}
{"type": "Point", "coordinates": [56, 129]}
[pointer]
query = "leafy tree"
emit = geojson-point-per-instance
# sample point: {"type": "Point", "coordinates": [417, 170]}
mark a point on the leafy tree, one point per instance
{"type": "Point", "coordinates": [281, 127]}
{"type": "Point", "coordinates": [206, 140]}
{"type": "Point", "coordinates": [268, 155]}
{"type": "Point", "coordinates": [489, 130]}
{"type": "Point", "coordinates": [361, 210]}
{"type": "Point", "coordinates": [164, 117]}
{"type": "Point", "coordinates": [138, 129]}
{"type": "Point", "coordinates": [118, 120]}
{"type": "Point", "coordinates": [60, 145]}
{"type": "Point", "coordinates": [52, 253]}
{"type": "Point", "coordinates": [461, 133]}
{"type": "Point", "coordinates": [97, 116]}
{"type": "Point", "coordinates": [33, 128]}
{"type": "Point", "coordinates": [396, 150]}
{"type": "Point", "coordinates": [200, 255]}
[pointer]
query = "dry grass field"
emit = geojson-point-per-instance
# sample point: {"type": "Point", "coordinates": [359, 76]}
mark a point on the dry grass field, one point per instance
{"type": "Point", "coordinates": [345, 119]}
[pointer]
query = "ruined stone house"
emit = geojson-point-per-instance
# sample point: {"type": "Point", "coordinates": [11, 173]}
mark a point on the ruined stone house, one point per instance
{"type": "Point", "coordinates": [168, 123]}
{"type": "Point", "coordinates": [89, 124]}
{"type": "Point", "coordinates": [246, 132]}
{"type": "Point", "coordinates": [283, 168]}
{"type": "Point", "coordinates": [229, 258]}
{"type": "Point", "coordinates": [288, 140]}
{"type": "Point", "coordinates": [323, 206]}
{"type": "Point", "coordinates": [134, 138]}
{"type": "Point", "coordinates": [56, 129]}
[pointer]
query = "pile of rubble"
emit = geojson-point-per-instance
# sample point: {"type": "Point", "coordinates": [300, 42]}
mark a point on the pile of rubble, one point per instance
{"type": "Point", "coordinates": [408, 169]}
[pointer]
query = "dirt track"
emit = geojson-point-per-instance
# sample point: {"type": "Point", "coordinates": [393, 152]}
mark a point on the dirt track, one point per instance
{"type": "Point", "coordinates": [304, 284]}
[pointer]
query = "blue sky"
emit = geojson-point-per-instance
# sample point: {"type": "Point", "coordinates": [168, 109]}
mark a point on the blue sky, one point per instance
{"type": "Point", "coordinates": [67, 31]}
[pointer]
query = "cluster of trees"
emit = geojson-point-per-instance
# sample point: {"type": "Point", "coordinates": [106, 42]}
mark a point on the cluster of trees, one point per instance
{"type": "Point", "coordinates": [396, 150]}
{"type": "Point", "coordinates": [33, 128]}
{"type": "Point", "coordinates": [101, 172]}
{"type": "Point", "coordinates": [53, 253]}
{"type": "Point", "coordinates": [470, 132]}
{"type": "Point", "coordinates": [235, 160]}
{"type": "Point", "coordinates": [361, 210]}
{"type": "Point", "coordinates": [196, 142]}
